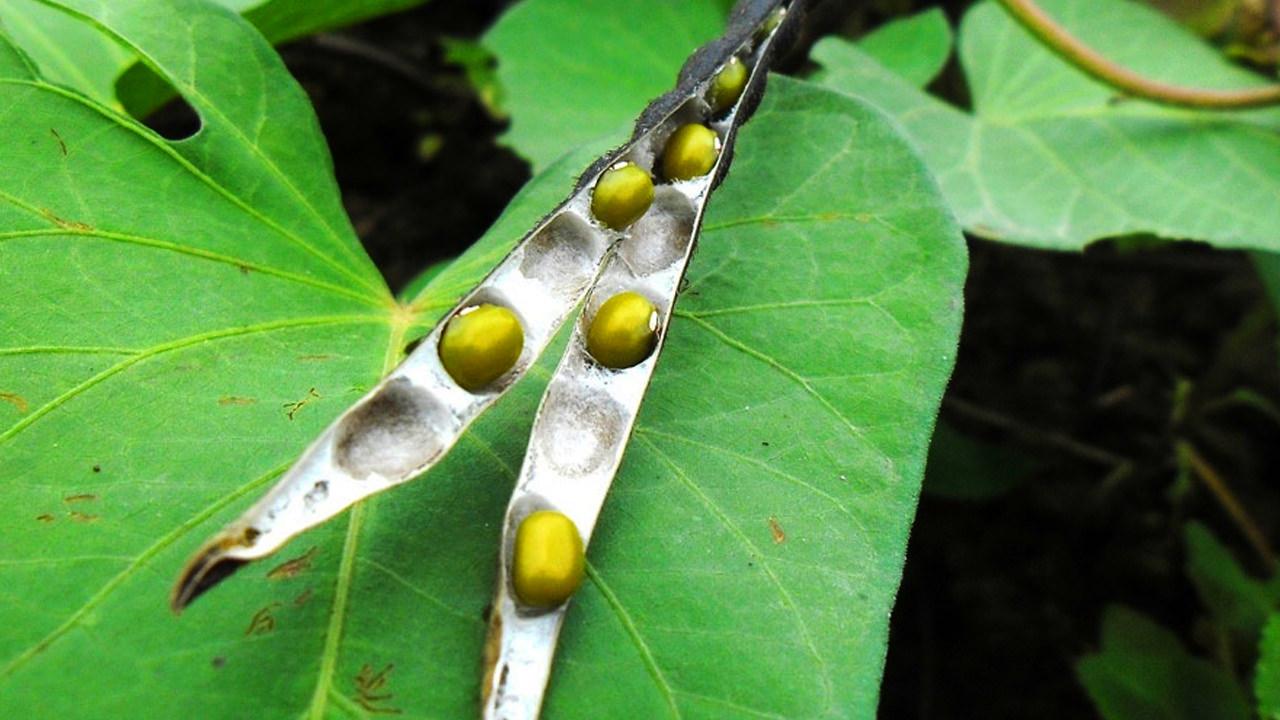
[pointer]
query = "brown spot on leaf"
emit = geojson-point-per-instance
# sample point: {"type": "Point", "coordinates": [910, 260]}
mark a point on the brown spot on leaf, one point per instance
{"type": "Point", "coordinates": [293, 408]}
{"type": "Point", "coordinates": [779, 536]}
{"type": "Point", "coordinates": [62, 145]}
{"type": "Point", "coordinates": [244, 269]}
{"type": "Point", "coordinates": [373, 691]}
{"type": "Point", "coordinates": [236, 400]}
{"type": "Point", "coordinates": [82, 497]}
{"type": "Point", "coordinates": [218, 662]}
{"type": "Point", "coordinates": [64, 223]}
{"type": "Point", "coordinates": [45, 517]}
{"type": "Point", "coordinates": [316, 358]}
{"type": "Point", "coordinates": [16, 400]}
{"type": "Point", "coordinates": [82, 517]}
{"type": "Point", "coordinates": [291, 568]}
{"type": "Point", "coordinates": [492, 648]}
{"type": "Point", "coordinates": [303, 597]}
{"type": "Point", "coordinates": [97, 468]}
{"type": "Point", "coordinates": [263, 621]}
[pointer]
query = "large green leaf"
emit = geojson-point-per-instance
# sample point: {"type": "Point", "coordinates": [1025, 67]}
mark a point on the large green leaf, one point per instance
{"type": "Point", "coordinates": [574, 70]}
{"type": "Point", "coordinates": [182, 318]}
{"type": "Point", "coordinates": [1053, 159]}
{"type": "Point", "coordinates": [1142, 672]}
{"type": "Point", "coordinates": [77, 55]}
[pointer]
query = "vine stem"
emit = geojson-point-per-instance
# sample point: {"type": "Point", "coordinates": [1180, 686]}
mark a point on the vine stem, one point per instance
{"type": "Point", "coordinates": [1217, 484]}
{"type": "Point", "coordinates": [1070, 48]}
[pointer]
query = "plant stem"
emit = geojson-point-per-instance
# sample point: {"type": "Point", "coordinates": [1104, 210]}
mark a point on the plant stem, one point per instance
{"type": "Point", "coordinates": [1036, 436]}
{"type": "Point", "coordinates": [1070, 48]}
{"type": "Point", "coordinates": [1217, 485]}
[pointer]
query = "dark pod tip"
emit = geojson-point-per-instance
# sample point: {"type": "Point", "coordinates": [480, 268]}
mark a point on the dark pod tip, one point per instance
{"type": "Point", "coordinates": [207, 568]}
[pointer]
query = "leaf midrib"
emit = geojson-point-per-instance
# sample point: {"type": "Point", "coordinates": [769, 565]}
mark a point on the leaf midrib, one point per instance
{"type": "Point", "coordinates": [401, 322]}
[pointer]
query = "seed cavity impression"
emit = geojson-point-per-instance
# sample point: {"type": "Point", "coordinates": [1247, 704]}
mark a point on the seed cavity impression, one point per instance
{"type": "Point", "coordinates": [480, 344]}
{"type": "Point", "coordinates": [624, 331]}
{"type": "Point", "coordinates": [690, 152]}
{"type": "Point", "coordinates": [622, 194]}
{"type": "Point", "coordinates": [728, 84]}
{"type": "Point", "coordinates": [394, 432]}
{"type": "Point", "coordinates": [548, 560]}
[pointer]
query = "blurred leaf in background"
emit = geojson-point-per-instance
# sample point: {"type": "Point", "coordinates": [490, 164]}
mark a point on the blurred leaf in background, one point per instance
{"type": "Point", "coordinates": [1142, 672]}
{"type": "Point", "coordinates": [1051, 158]}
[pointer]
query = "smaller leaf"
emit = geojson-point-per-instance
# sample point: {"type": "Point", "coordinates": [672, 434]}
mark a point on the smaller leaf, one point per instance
{"type": "Point", "coordinates": [1050, 158]}
{"type": "Point", "coordinates": [1144, 672]}
{"type": "Point", "coordinates": [574, 70]}
{"type": "Point", "coordinates": [1236, 600]}
{"type": "Point", "coordinates": [915, 47]}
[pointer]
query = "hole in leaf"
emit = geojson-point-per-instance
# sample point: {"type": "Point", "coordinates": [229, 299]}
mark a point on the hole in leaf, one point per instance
{"type": "Point", "coordinates": [154, 102]}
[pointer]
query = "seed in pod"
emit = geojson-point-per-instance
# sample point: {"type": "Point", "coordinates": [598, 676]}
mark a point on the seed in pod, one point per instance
{"type": "Point", "coordinates": [548, 559]}
{"type": "Point", "coordinates": [624, 330]}
{"type": "Point", "coordinates": [480, 344]}
{"type": "Point", "coordinates": [772, 22]}
{"type": "Point", "coordinates": [727, 86]}
{"type": "Point", "coordinates": [622, 194]}
{"type": "Point", "coordinates": [690, 152]}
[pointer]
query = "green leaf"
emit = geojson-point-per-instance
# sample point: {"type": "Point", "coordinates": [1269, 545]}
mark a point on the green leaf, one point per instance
{"type": "Point", "coordinates": [183, 318]}
{"type": "Point", "coordinates": [1051, 158]}
{"type": "Point", "coordinates": [574, 70]}
{"type": "Point", "coordinates": [1266, 681]}
{"type": "Point", "coordinates": [74, 54]}
{"type": "Point", "coordinates": [1143, 672]}
{"type": "Point", "coordinates": [1236, 600]}
{"type": "Point", "coordinates": [915, 47]}
{"type": "Point", "coordinates": [67, 52]}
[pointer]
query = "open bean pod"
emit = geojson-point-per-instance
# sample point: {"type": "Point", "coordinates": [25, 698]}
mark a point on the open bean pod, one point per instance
{"type": "Point", "coordinates": [590, 405]}
{"type": "Point", "coordinates": [415, 415]}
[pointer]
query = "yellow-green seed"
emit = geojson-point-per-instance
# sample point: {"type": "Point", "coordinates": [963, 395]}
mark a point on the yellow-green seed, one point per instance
{"type": "Point", "coordinates": [690, 152]}
{"type": "Point", "coordinates": [622, 195]}
{"type": "Point", "coordinates": [548, 560]}
{"type": "Point", "coordinates": [727, 86]}
{"type": "Point", "coordinates": [772, 22]}
{"type": "Point", "coordinates": [480, 344]}
{"type": "Point", "coordinates": [624, 330]}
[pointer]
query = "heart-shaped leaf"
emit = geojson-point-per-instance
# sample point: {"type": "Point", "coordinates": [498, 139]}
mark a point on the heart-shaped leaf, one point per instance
{"type": "Point", "coordinates": [1052, 158]}
{"type": "Point", "coordinates": [182, 318]}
